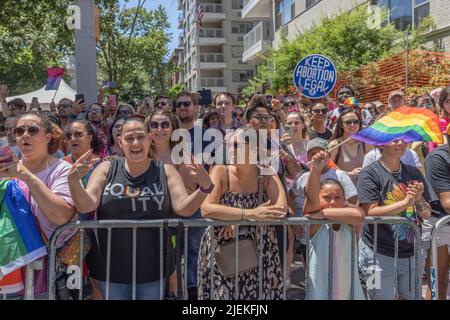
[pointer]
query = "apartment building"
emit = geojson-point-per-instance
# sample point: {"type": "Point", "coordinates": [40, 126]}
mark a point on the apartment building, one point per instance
{"type": "Point", "coordinates": [289, 17]}
{"type": "Point", "coordinates": [176, 58]}
{"type": "Point", "coordinates": [212, 57]}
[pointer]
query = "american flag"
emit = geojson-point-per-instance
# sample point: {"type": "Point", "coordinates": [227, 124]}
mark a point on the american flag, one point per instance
{"type": "Point", "coordinates": [200, 13]}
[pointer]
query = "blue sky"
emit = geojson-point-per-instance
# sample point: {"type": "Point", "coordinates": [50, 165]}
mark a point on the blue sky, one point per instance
{"type": "Point", "coordinates": [172, 12]}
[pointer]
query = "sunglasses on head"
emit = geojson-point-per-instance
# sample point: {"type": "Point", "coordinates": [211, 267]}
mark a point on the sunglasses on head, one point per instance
{"type": "Point", "coordinates": [76, 135]}
{"type": "Point", "coordinates": [20, 131]}
{"type": "Point", "coordinates": [320, 111]}
{"type": "Point", "coordinates": [157, 124]}
{"type": "Point", "coordinates": [349, 123]}
{"type": "Point", "coordinates": [290, 103]}
{"type": "Point", "coordinates": [185, 104]}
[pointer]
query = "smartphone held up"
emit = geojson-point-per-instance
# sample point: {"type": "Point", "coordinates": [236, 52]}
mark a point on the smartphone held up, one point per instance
{"type": "Point", "coordinates": [5, 150]}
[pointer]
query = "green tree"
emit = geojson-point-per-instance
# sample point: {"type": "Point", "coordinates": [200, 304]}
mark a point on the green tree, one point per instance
{"type": "Point", "coordinates": [33, 36]}
{"type": "Point", "coordinates": [346, 37]}
{"type": "Point", "coordinates": [133, 48]}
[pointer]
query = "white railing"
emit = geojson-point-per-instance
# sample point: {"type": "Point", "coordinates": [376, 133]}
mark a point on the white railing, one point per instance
{"type": "Point", "coordinates": [212, 33]}
{"type": "Point", "coordinates": [259, 33]}
{"type": "Point", "coordinates": [212, 8]}
{"type": "Point", "coordinates": [212, 82]}
{"type": "Point", "coordinates": [212, 57]}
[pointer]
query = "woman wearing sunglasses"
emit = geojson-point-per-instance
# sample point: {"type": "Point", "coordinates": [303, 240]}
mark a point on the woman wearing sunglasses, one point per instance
{"type": "Point", "coordinates": [114, 149]}
{"type": "Point", "coordinates": [349, 156]}
{"type": "Point", "coordinates": [45, 176]}
{"type": "Point", "coordinates": [81, 136]}
{"type": "Point", "coordinates": [133, 187]}
{"type": "Point", "coordinates": [236, 196]}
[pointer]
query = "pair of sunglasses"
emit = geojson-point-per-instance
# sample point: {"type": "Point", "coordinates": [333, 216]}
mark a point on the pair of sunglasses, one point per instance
{"type": "Point", "coordinates": [20, 131]}
{"type": "Point", "coordinates": [162, 124]}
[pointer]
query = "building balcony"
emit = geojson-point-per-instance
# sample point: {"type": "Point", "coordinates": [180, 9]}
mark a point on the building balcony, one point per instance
{"type": "Point", "coordinates": [212, 61]}
{"type": "Point", "coordinates": [257, 41]}
{"type": "Point", "coordinates": [211, 36]}
{"type": "Point", "coordinates": [214, 84]}
{"type": "Point", "coordinates": [257, 9]}
{"type": "Point", "coordinates": [213, 12]}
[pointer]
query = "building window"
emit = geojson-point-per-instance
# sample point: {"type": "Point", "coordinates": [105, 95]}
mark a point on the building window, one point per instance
{"type": "Point", "coordinates": [310, 3]}
{"type": "Point", "coordinates": [236, 51]}
{"type": "Point", "coordinates": [237, 4]}
{"type": "Point", "coordinates": [241, 27]}
{"type": "Point", "coordinates": [401, 12]}
{"type": "Point", "coordinates": [421, 10]}
{"type": "Point", "coordinates": [242, 75]}
{"type": "Point", "coordinates": [284, 12]}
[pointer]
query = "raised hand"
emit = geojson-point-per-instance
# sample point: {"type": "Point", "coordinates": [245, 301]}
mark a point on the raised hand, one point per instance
{"type": "Point", "coordinates": [415, 189]}
{"type": "Point", "coordinates": [82, 166]}
{"type": "Point", "coordinates": [4, 92]}
{"type": "Point", "coordinates": [52, 106]}
{"type": "Point", "coordinates": [286, 138]}
{"type": "Point", "coordinates": [276, 104]}
{"type": "Point", "coordinates": [78, 106]}
{"type": "Point", "coordinates": [199, 175]}
{"type": "Point", "coordinates": [320, 160]}
{"type": "Point", "coordinates": [14, 168]}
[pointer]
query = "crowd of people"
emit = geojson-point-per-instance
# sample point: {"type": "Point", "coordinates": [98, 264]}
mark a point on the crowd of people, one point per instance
{"type": "Point", "coordinates": [108, 162]}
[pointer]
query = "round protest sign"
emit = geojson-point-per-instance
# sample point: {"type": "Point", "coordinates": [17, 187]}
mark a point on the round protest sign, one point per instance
{"type": "Point", "coordinates": [315, 75]}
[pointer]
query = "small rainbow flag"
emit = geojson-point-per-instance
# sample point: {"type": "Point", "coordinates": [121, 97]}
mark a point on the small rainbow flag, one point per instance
{"type": "Point", "coordinates": [20, 239]}
{"type": "Point", "coordinates": [406, 123]}
{"type": "Point", "coordinates": [351, 102]}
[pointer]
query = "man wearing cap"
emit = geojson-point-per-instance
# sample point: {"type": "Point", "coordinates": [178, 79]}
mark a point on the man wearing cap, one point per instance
{"type": "Point", "coordinates": [437, 171]}
{"type": "Point", "coordinates": [329, 172]}
{"type": "Point", "coordinates": [396, 99]}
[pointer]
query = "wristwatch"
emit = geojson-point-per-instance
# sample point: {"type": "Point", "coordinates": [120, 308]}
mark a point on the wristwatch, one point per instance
{"type": "Point", "coordinates": [209, 190]}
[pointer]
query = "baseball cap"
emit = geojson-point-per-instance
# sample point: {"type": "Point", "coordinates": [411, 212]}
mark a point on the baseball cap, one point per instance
{"type": "Point", "coordinates": [317, 143]}
{"type": "Point", "coordinates": [396, 93]}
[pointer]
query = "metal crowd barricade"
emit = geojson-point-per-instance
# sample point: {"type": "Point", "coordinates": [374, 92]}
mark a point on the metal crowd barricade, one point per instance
{"type": "Point", "coordinates": [434, 279]}
{"type": "Point", "coordinates": [188, 223]}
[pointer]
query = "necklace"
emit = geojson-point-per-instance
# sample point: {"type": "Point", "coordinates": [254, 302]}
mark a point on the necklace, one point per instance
{"type": "Point", "coordinates": [397, 174]}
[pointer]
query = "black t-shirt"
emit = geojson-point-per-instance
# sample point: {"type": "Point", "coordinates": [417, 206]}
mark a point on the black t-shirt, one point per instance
{"type": "Point", "coordinates": [376, 184]}
{"type": "Point", "coordinates": [126, 198]}
{"type": "Point", "coordinates": [326, 135]}
{"type": "Point", "coordinates": [437, 171]}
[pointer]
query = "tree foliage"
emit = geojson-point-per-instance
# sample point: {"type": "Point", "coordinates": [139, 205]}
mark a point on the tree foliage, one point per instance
{"type": "Point", "coordinates": [133, 49]}
{"type": "Point", "coordinates": [347, 38]}
{"type": "Point", "coordinates": [33, 36]}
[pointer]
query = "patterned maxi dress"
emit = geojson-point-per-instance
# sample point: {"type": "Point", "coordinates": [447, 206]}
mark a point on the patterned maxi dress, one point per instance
{"type": "Point", "coordinates": [224, 288]}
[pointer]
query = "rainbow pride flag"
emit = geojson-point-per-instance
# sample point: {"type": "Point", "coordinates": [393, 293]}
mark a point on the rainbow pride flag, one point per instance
{"type": "Point", "coordinates": [406, 123]}
{"type": "Point", "coordinates": [20, 239]}
{"type": "Point", "coordinates": [351, 102]}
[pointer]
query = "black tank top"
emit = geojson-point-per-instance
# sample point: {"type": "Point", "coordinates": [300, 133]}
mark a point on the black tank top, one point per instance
{"type": "Point", "coordinates": [126, 198]}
